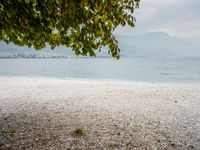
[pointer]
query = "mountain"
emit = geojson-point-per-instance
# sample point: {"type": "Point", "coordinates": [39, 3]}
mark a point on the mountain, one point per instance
{"type": "Point", "coordinates": [157, 44]}
{"type": "Point", "coordinates": [152, 44]}
{"type": "Point", "coordinates": [16, 51]}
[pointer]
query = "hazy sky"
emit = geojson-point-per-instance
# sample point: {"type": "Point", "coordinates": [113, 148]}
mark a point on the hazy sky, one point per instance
{"type": "Point", "coordinates": [179, 18]}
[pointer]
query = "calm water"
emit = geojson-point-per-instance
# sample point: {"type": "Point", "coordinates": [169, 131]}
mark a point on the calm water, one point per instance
{"type": "Point", "coordinates": [170, 70]}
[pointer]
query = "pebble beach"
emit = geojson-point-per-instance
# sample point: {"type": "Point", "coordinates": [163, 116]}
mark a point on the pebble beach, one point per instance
{"type": "Point", "coordinates": [72, 114]}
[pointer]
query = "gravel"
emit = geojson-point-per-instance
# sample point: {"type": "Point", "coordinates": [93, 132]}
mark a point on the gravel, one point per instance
{"type": "Point", "coordinates": [60, 114]}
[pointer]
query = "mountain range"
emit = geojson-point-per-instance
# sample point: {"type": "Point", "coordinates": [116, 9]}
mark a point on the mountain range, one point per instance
{"type": "Point", "coordinates": [151, 44]}
{"type": "Point", "coordinates": [157, 44]}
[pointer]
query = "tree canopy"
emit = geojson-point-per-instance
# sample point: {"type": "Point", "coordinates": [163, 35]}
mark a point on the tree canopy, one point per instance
{"type": "Point", "coordinates": [83, 25]}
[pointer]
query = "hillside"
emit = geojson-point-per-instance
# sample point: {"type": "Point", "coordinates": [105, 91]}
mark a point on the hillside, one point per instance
{"type": "Point", "coordinates": [152, 44]}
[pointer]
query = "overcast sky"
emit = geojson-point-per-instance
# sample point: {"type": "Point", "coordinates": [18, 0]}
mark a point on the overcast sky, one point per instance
{"type": "Point", "coordinates": [179, 18]}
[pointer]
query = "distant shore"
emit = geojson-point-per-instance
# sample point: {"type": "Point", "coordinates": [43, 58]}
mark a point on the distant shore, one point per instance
{"type": "Point", "coordinates": [49, 113]}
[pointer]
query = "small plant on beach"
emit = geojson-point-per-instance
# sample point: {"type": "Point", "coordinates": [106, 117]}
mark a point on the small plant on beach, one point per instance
{"type": "Point", "coordinates": [113, 146]}
{"type": "Point", "coordinates": [80, 132]}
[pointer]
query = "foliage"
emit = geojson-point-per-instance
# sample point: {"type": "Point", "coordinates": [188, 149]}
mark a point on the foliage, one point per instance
{"type": "Point", "coordinates": [80, 132]}
{"type": "Point", "coordinates": [83, 25]}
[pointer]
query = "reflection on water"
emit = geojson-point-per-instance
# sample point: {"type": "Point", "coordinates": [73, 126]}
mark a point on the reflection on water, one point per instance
{"type": "Point", "coordinates": [132, 69]}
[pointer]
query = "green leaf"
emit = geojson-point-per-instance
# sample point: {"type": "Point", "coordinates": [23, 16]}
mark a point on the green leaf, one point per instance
{"type": "Point", "coordinates": [104, 18]}
{"type": "Point", "coordinates": [27, 1]}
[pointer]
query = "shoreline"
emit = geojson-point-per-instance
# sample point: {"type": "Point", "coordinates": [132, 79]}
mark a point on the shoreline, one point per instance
{"type": "Point", "coordinates": [100, 80]}
{"type": "Point", "coordinates": [52, 113]}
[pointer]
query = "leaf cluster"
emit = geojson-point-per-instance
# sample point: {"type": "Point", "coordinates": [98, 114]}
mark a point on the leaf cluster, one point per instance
{"type": "Point", "coordinates": [83, 25]}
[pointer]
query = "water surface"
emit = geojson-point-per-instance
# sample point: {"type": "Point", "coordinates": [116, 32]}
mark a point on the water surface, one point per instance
{"type": "Point", "coordinates": [172, 70]}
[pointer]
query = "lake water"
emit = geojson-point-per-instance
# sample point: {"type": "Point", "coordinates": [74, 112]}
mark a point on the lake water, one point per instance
{"type": "Point", "coordinates": [153, 70]}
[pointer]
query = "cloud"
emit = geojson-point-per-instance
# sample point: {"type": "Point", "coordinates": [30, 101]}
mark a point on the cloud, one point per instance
{"type": "Point", "coordinates": [179, 18]}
